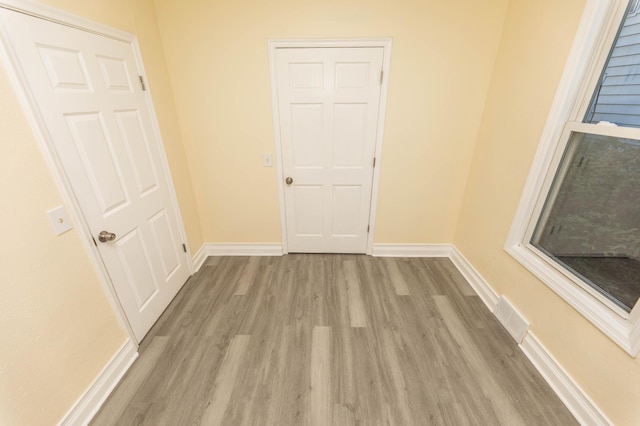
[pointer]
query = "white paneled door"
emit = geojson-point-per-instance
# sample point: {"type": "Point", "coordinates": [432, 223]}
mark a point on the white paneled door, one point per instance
{"type": "Point", "coordinates": [328, 101]}
{"type": "Point", "coordinates": [88, 95]}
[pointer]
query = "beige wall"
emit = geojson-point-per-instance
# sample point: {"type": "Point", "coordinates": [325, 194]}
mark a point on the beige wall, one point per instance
{"type": "Point", "coordinates": [434, 187]}
{"type": "Point", "coordinates": [442, 58]}
{"type": "Point", "coordinates": [534, 47]}
{"type": "Point", "coordinates": [58, 329]}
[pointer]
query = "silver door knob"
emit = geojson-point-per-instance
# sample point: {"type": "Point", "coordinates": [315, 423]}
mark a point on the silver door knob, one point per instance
{"type": "Point", "coordinates": [289, 181]}
{"type": "Point", "coordinates": [105, 236]}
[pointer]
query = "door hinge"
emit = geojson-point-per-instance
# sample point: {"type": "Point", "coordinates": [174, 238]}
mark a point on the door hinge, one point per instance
{"type": "Point", "coordinates": [381, 77]}
{"type": "Point", "coordinates": [368, 228]}
{"type": "Point", "coordinates": [184, 247]}
{"type": "Point", "coordinates": [374, 162]}
{"type": "Point", "coordinates": [144, 87]}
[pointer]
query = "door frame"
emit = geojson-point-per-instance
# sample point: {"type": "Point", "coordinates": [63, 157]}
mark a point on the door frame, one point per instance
{"type": "Point", "coordinates": [385, 43]}
{"type": "Point", "coordinates": [37, 124]}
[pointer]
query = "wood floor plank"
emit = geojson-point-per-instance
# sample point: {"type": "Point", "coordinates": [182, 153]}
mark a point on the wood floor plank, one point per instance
{"type": "Point", "coordinates": [225, 381]}
{"type": "Point", "coordinates": [500, 401]}
{"type": "Point", "coordinates": [456, 277]}
{"type": "Point", "coordinates": [330, 339]}
{"type": "Point", "coordinates": [396, 278]}
{"type": "Point", "coordinates": [274, 379]}
{"type": "Point", "coordinates": [320, 372]}
{"type": "Point", "coordinates": [400, 411]}
{"type": "Point", "coordinates": [357, 313]}
{"type": "Point", "coordinates": [248, 275]}
{"type": "Point", "coordinates": [369, 404]}
{"type": "Point", "coordinates": [295, 395]}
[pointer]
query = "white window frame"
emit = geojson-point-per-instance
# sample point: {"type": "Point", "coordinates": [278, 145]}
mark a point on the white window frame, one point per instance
{"type": "Point", "coordinates": [596, 34]}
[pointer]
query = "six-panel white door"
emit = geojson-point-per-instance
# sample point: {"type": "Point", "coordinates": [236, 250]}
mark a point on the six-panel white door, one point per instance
{"type": "Point", "coordinates": [89, 97]}
{"type": "Point", "coordinates": [328, 101]}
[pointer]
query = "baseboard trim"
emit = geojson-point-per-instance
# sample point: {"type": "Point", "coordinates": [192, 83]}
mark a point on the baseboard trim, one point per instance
{"type": "Point", "coordinates": [576, 400]}
{"type": "Point", "coordinates": [239, 249]}
{"type": "Point", "coordinates": [473, 277]}
{"type": "Point", "coordinates": [199, 258]}
{"type": "Point", "coordinates": [412, 250]}
{"type": "Point", "coordinates": [90, 402]}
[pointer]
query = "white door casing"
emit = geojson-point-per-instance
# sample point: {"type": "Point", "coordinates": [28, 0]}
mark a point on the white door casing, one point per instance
{"type": "Point", "coordinates": [85, 89]}
{"type": "Point", "coordinates": [328, 119]}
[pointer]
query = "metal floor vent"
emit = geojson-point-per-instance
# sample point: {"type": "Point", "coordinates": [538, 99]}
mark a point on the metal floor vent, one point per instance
{"type": "Point", "coordinates": [511, 319]}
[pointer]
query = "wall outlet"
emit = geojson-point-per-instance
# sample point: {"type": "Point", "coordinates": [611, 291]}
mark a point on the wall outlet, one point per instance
{"type": "Point", "coordinates": [59, 220]}
{"type": "Point", "coordinates": [267, 159]}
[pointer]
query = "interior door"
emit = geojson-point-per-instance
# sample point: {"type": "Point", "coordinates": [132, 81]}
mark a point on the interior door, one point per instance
{"type": "Point", "coordinates": [89, 97]}
{"type": "Point", "coordinates": [328, 100]}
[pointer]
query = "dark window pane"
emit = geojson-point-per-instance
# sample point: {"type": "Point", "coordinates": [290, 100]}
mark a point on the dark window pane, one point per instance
{"type": "Point", "coordinates": [591, 220]}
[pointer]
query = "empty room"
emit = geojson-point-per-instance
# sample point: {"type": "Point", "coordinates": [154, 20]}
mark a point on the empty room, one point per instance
{"type": "Point", "coordinates": [328, 213]}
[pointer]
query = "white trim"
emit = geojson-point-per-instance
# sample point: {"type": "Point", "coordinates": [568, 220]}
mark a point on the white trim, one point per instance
{"type": "Point", "coordinates": [384, 95]}
{"type": "Point", "coordinates": [330, 42]}
{"type": "Point", "coordinates": [385, 44]}
{"type": "Point", "coordinates": [595, 35]}
{"type": "Point", "coordinates": [39, 128]}
{"type": "Point", "coordinates": [239, 249]}
{"type": "Point", "coordinates": [475, 280]}
{"type": "Point", "coordinates": [412, 250]}
{"type": "Point", "coordinates": [97, 393]}
{"type": "Point", "coordinates": [200, 258]}
{"type": "Point", "coordinates": [278, 145]}
{"type": "Point", "coordinates": [576, 400]}
{"type": "Point", "coordinates": [593, 21]}
{"type": "Point", "coordinates": [43, 11]}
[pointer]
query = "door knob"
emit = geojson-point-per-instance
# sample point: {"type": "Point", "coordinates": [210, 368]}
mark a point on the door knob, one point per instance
{"type": "Point", "coordinates": [105, 236]}
{"type": "Point", "coordinates": [289, 181]}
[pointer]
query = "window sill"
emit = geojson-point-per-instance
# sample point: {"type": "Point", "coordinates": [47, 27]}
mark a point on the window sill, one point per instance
{"type": "Point", "coordinates": [621, 327]}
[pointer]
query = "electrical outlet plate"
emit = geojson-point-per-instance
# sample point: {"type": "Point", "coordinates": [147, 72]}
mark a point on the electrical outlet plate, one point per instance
{"type": "Point", "coordinates": [267, 159]}
{"type": "Point", "coordinates": [59, 220]}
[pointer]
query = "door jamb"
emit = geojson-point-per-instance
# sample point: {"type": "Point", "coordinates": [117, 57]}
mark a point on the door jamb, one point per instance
{"type": "Point", "coordinates": [385, 44]}
{"type": "Point", "coordinates": [37, 124]}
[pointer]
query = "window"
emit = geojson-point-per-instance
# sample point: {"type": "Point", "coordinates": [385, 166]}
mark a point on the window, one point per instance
{"type": "Point", "coordinates": [578, 223]}
{"type": "Point", "coordinates": [590, 223]}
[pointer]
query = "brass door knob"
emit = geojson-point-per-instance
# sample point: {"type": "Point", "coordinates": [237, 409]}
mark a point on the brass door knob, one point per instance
{"type": "Point", "coordinates": [289, 180]}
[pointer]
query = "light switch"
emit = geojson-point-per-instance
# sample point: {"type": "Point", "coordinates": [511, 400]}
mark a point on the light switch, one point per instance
{"type": "Point", "coordinates": [60, 220]}
{"type": "Point", "coordinates": [267, 159]}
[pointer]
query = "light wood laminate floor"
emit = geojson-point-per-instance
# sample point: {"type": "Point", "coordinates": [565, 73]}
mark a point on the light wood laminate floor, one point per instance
{"type": "Point", "coordinates": [330, 340]}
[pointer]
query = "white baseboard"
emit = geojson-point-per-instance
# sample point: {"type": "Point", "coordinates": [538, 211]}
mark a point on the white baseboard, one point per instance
{"type": "Point", "coordinates": [412, 250]}
{"type": "Point", "coordinates": [237, 249]}
{"type": "Point", "coordinates": [199, 258]}
{"type": "Point", "coordinates": [473, 277]}
{"type": "Point", "coordinates": [580, 405]}
{"type": "Point", "coordinates": [90, 402]}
